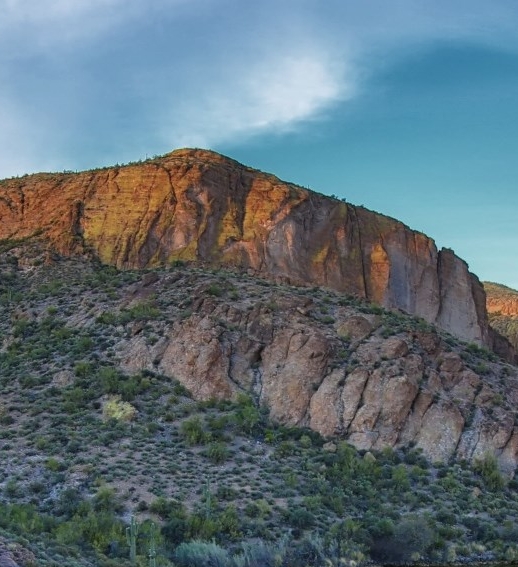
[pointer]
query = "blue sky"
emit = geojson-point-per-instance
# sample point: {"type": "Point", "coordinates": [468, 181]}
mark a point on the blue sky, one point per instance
{"type": "Point", "coordinates": [409, 107]}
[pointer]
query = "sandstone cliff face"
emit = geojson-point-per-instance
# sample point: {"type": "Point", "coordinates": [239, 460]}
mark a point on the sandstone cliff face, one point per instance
{"type": "Point", "coordinates": [199, 206]}
{"type": "Point", "coordinates": [501, 299]}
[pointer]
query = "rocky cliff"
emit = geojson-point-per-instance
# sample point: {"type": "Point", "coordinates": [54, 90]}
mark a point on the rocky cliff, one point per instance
{"type": "Point", "coordinates": [339, 366]}
{"type": "Point", "coordinates": [199, 206]}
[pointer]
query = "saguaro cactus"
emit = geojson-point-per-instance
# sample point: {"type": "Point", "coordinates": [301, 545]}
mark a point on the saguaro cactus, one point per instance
{"type": "Point", "coordinates": [152, 546]}
{"type": "Point", "coordinates": [207, 496]}
{"type": "Point", "coordinates": [131, 536]}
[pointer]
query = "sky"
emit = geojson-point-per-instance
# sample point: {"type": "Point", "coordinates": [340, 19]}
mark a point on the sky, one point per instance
{"type": "Point", "coordinates": [408, 107]}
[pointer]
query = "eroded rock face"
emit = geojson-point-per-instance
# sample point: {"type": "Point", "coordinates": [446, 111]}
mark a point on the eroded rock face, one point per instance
{"type": "Point", "coordinates": [199, 206]}
{"type": "Point", "coordinates": [501, 299]}
{"type": "Point", "coordinates": [366, 385]}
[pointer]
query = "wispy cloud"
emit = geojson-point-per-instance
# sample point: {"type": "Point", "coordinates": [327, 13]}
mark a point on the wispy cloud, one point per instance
{"type": "Point", "coordinates": [273, 94]}
{"type": "Point", "coordinates": [35, 25]}
{"type": "Point", "coordinates": [166, 73]}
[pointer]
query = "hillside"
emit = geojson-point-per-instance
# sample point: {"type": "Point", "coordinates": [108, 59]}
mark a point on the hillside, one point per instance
{"type": "Point", "coordinates": [257, 374]}
{"type": "Point", "coordinates": [171, 393]}
{"type": "Point", "coordinates": [199, 206]}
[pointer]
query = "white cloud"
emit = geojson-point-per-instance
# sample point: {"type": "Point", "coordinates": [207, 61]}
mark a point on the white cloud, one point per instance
{"type": "Point", "coordinates": [276, 93]}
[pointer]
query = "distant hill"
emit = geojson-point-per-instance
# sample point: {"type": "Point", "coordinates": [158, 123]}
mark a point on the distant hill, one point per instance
{"type": "Point", "coordinates": [267, 375]}
{"type": "Point", "coordinates": [502, 307]}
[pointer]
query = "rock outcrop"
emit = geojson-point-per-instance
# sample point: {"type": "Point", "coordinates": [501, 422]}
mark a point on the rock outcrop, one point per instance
{"type": "Point", "coordinates": [198, 206]}
{"type": "Point", "coordinates": [501, 299]}
{"type": "Point", "coordinates": [339, 367]}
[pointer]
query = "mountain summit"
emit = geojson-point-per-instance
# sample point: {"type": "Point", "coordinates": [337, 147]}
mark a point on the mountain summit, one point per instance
{"type": "Point", "coordinates": [198, 206]}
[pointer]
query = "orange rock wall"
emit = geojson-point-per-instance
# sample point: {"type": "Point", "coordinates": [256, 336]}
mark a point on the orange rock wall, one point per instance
{"type": "Point", "coordinates": [199, 206]}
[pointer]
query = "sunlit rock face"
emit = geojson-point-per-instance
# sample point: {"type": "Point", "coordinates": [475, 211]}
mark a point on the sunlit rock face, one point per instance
{"type": "Point", "coordinates": [199, 206]}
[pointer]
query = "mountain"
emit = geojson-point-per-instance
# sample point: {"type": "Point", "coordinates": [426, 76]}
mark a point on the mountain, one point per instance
{"type": "Point", "coordinates": [502, 307]}
{"type": "Point", "coordinates": [199, 206]}
{"type": "Point", "coordinates": [267, 375]}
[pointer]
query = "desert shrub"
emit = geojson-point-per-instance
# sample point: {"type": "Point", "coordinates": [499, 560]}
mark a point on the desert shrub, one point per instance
{"type": "Point", "coordinates": [400, 480]}
{"type": "Point", "coordinates": [107, 318]}
{"type": "Point", "coordinates": [174, 530]}
{"type": "Point", "coordinates": [226, 493]}
{"type": "Point", "coordinates": [83, 369]}
{"type": "Point", "coordinates": [12, 489]}
{"type": "Point", "coordinates": [217, 452]}
{"type": "Point", "coordinates": [24, 519]}
{"type": "Point", "coordinates": [201, 526]}
{"type": "Point", "coordinates": [487, 467]}
{"type": "Point", "coordinates": [68, 503]}
{"type": "Point", "coordinates": [115, 408]}
{"type": "Point", "coordinates": [167, 508]}
{"type": "Point", "coordinates": [202, 554]}
{"type": "Point", "coordinates": [100, 530]}
{"type": "Point", "coordinates": [112, 381]}
{"type": "Point", "coordinates": [260, 554]}
{"type": "Point", "coordinates": [285, 449]}
{"type": "Point", "coordinates": [300, 517]}
{"type": "Point", "coordinates": [247, 416]}
{"type": "Point", "coordinates": [480, 529]}
{"type": "Point", "coordinates": [215, 290]}
{"type": "Point", "coordinates": [228, 521]}
{"type": "Point", "coordinates": [380, 528]}
{"type": "Point", "coordinates": [410, 540]}
{"type": "Point", "coordinates": [139, 312]}
{"type": "Point", "coordinates": [54, 465]}
{"type": "Point", "coordinates": [192, 430]}
{"type": "Point", "coordinates": [106, 500]}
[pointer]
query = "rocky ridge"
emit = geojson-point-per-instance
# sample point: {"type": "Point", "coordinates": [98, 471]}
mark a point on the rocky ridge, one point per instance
{"type": "Point", "coordinates": [198, 206]}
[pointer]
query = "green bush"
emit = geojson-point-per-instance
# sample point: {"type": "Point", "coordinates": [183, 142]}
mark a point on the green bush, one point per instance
{"type": "Point", "coordinates": [202, 554]}
{"type": "Point", "coordinates": [410, 540]}
{"type": "Point", "coordinates": [217, 452]}
{"type": "Point", "coordinates": [192, 430]}
{"type": "Point", "coordinates": [260, 554]}
{"type": "Point", "coordinates": [487, 467]}
{"type": "Point", "coordinates": [300, 517]}
{"type": "Point", "coordinates": [54, 465]}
